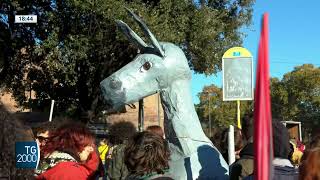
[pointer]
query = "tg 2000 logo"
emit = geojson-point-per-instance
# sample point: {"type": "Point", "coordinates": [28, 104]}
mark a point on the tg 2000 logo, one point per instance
{"type": "Point", "coordinates": [27, 154]}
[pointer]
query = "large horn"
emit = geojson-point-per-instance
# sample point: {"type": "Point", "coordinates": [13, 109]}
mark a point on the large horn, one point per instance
{"type": "Point", "coordinates": [147, 32]}
{"type": "Point", "coordinates": [131, 35]}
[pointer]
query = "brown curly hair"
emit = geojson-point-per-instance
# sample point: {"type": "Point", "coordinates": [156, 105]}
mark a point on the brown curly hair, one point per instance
{"type": "Point", "coordinates": [147, 153]}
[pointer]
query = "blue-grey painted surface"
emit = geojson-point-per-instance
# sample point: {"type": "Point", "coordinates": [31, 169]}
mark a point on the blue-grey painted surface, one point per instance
{"type": "Point", "coordinates": [163, 67]}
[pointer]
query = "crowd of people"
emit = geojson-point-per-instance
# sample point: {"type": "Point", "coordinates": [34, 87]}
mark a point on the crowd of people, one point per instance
{"type": "Point", "coordinates": [70, 151]}
{"type": "Point", "coordinates": [292, 160]}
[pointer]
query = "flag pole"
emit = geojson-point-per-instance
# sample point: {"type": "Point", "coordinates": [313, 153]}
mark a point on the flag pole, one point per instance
{"type": "Point", "coordinates": [263, 145]}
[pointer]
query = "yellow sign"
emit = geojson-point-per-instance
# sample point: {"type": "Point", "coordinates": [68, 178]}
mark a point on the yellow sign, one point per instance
{"type": "Point", "coordinates": [236, 52]}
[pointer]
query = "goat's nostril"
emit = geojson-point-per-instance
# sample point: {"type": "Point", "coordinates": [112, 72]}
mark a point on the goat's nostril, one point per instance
{"type": "Point", "coordinates": [115, 84]}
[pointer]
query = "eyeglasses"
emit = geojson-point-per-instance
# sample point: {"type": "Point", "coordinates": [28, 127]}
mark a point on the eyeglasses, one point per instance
{"type": "Point", "coordinates": [41, 138]}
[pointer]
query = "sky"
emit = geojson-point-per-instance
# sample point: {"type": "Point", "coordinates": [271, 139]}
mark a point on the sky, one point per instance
{"type": "Point", "coordinates": [294, 39]}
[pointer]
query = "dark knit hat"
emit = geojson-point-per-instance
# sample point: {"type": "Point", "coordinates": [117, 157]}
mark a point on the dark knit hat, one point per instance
{"type": "Point", "coordinates": [281, 144]}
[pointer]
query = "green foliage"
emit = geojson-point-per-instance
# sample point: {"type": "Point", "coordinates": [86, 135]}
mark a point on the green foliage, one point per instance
{"type": "Point", "coordinates": [222, 113]}
{"type": "Point", "coordinates": [76, 44]}
{"type": "Point", "coordinates": [297, 96]}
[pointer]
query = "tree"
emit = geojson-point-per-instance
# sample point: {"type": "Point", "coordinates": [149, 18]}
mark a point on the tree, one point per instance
{"type": "Point", "coordinates": [17, 40]}
{"type": "Point", "coordinates": [223, 113]}
{"type": "Point", "coordinates": [76, 44]}
{"type": "Point", "coordinates": [213, 29]}
{"type": "Point", "coordinates": [297, 97]}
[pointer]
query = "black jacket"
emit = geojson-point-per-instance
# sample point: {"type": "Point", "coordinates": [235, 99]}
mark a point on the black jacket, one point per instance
{"type": "Point", "coordinates": [243, 167]}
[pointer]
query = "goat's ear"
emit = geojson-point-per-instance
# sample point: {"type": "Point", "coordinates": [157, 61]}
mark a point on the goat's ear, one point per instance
{"type": "Point", "coordinates": [131, 35]}
{"type": "Point", "coordinates": [148, 33]}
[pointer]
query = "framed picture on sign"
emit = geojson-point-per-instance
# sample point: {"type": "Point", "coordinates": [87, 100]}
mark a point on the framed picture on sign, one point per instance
{"type": "Point", "coordinates": [237, 76]}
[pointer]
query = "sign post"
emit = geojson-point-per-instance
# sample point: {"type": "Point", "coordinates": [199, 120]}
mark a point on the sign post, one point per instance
{"type": "Point", "coordinates": [141, 116]}
{"type": "Point", "coordinates": [237, 76]}
{"type": "Point", "coordinates": [238, 115]}
{"type": "Point", "coordinates": [231, 146]}
{"type": "Point", "coordinates": [51, 110]}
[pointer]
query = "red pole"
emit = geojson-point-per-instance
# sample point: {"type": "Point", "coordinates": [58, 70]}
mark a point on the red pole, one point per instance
{"type": "Point", "coordinates": [262, 110]}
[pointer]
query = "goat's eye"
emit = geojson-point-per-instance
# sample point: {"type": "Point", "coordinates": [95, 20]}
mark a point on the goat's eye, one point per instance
{"type": "Point", "coordinates": [146, 66]}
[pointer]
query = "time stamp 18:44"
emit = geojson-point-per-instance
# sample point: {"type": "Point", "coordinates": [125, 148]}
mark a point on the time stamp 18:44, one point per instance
{"type": "Point", "coordinates": [25, 19]}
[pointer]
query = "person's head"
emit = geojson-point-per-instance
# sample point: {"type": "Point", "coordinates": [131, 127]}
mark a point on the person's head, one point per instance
{"type": "Point", "coordinates": [43, 132]}
{"type": "Point", "coordinates": [45, 127]}
{"type": "Point", "coordinates": [73, 138]}
{"type": "Point", "coordinates": [247, 126]}
{"type": "Point", "coordinates": [238, 141]}
{"type": "Point", "coordinates": [223, 140]}
{"type": "Point", "coordinates": [309, 168]}
{"type": "Point", "coordinates": [103, 141]}
{"type": "Point", "coordinates": [281, 141]}
{"type": "Point", "coordinates": [12, 131]}
{"type": "Point", "coordinates": [147, 153]}
{"type": "Point", "coordinates": [315, 142]}
{"type": "Point", "coordinates": [121, 132]}
{"type": "Point", "coordinates": [155, 129]}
